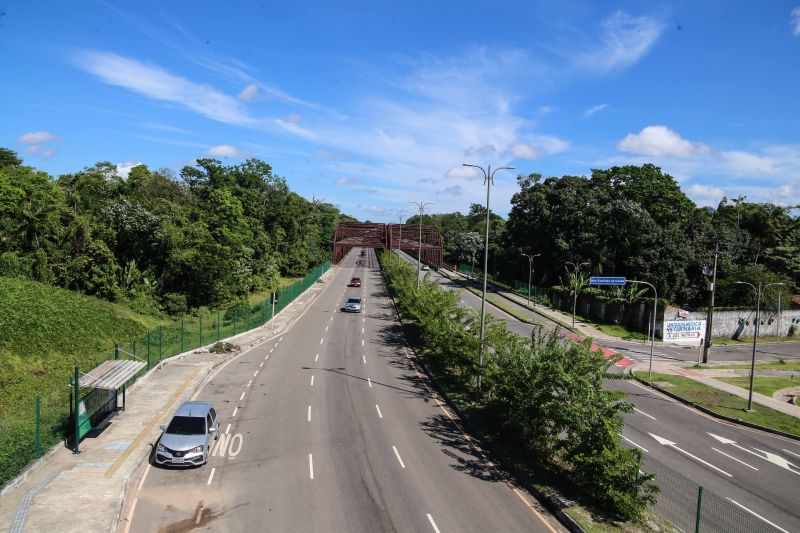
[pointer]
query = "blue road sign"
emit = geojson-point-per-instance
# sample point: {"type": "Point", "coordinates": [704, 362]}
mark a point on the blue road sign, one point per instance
{"type": "Point", "coordinates": [599, 280]}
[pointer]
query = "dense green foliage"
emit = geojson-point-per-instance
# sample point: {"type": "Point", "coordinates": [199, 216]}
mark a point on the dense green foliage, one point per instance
{"type": "Point", "coordinates": [636, 222]}
{"type": "Point", "coordinates": [545, 394]}
{"type": "Point", "coordinates": [216, 234]}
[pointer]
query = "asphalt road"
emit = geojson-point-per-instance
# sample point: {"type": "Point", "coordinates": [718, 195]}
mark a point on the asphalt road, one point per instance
{"type": "Point", "coordinates": [332, 428]}
{"type": "Point", "coordinates": [758, 471]}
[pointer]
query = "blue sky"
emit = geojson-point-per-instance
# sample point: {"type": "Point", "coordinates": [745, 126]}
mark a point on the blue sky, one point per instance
{"type": "Point", "coordinates": [370, 105]}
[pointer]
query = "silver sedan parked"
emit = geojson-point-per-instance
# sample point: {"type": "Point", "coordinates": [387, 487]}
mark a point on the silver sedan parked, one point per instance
{"type": "Point", "coordinates": [187, 439]}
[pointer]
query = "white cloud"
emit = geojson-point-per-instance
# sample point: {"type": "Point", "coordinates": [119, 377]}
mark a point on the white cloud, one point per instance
{"type": "Point", "coordinates": [746, 163]}
{"type": "Point", "coordinates": [123, 169]}
{"type": "Point", "coordinates": [705, 194]}
{"type": "Point", "coordinates": [594, 109]}
{"type": "Point", "coordinates": [224, 150]}
{"type": "Point", "coordinates": [795, 21]}
{"type": "Point", "coordinates": [524, 151]}
{"type": "Point", "coordinates": [38, 137]}
{"type": "Point", "coordinates": [457, 172]}
{"type": "Point", "coordinates": [248, 93]}
{"type": "Point", "coordinates": [660, 141]}
{"type": "Point", "coordinates": [344, 180]}
{"type": "Point", "coordinates": [623, 41]}
{"type": "Point", "coordinates": [545, 109]}
{"type": "Point", "coordinates": [455, 190]}
{"type": "Point", "coordinates": [154, 82]}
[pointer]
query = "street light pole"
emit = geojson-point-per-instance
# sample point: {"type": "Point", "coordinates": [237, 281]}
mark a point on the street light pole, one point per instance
{"type": "Point", "coordinates": [488, 178]}
{"type": "Point", "coordinates": [530, 274]}
{"type": "Point", "coordinates": [421, 206]}
{"type": "Point", "coordinates": [577, 270]}
{"type": "Point", "coordinates": [653, 329]}
{"type": "Point", "coordinates": [710, 317]}
{"type": "Point", "coordinates": [759, 291]}
{"type": "Point", "coordinates": [400, 239]}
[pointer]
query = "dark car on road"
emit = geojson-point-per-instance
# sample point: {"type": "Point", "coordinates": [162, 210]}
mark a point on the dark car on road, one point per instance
{"type": "Point", "coordinates": [355, 282]}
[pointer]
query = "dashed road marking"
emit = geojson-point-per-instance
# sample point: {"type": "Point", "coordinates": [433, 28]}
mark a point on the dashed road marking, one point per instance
{"type": "Point", "coordinates": [362, 342]}
{"type": "Point", "coordinates": [241, 397]}
{"type": "Point", "coordinates": [326, 328]}
{"type": "Point", "coordinates": [433, 524]}
{"type": "Point", "coordinates": [309, 413]}
{"type": "Point", "coordinates": [322, 340]}
{"type": "Point", "coordinates": [261, 365]}
{"type": "Point", "coordinates": [235, 411]}
{"type": "Point", "coordinates": [312, 381]}
{"type": "Point", "coordinates": [398, 457]}
{"type": "Point", "coordinates": [310, 466]}
{"type": "Point", "coordinates": [364, 359]}
{"type": "Point", "coordinates": [211, 476]}
{"type": "Point", "coordinates": [255, 373]}
{"type": "Point", "coordinates": [380, 415]}
{"type": "Point", "coordinates": [643, 413]}
{"type": "Point", "coordinates": [369, 382]}
{"type": "Point", "coordinates": [734, 458]}
{"type": "Point", "coordinates": [249, 383]}
{"type": "Point", "coordinates": [629, 440]}
{"type": "Point", "coordinates": [228, 429]}
{"type": "Point", "coordinates": [316, 357]}
{"type": "Point", "coordinates": [756, 515]}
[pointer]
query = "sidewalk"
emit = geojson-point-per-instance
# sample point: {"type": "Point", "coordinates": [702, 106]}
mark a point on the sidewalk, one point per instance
{"type": "Point", "coordinates": [702, 377]}
{"type": "Point", "coordinates": [67, 492]}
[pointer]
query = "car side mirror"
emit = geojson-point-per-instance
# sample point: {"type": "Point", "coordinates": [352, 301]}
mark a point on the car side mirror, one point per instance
{"type": "Point", "coordinates": [163, 428]}
{"type": "Point", "coordinates": [212, 430]}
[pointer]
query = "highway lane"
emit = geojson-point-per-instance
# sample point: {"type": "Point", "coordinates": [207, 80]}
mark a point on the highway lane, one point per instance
{"type": "Point", "coordinates": [701, 451]}
{"type": "Point", "coordinates": [332, 428]}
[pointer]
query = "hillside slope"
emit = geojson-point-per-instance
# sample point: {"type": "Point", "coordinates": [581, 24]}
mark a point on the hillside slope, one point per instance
{"type": "Point", "coordinates": [46, 331]}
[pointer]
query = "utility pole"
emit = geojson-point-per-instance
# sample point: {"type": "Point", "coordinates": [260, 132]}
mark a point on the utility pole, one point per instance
{"type": "Point", "coordinates": [488, 178]}
{"type": "Point", "coordinates": [710, 317]}
{"type": "Point", "coordinates": [421, 206]}
{"type": "Point", "coordinates": [530, 274]}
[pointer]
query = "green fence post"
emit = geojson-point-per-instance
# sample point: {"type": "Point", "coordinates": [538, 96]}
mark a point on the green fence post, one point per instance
{"type": "Point", "coordinates": [201, 330]}
{"type": "Point", "coordinates": [699, 507]}
{"type": "Point", "coordinates": [38, 441]}
{"type": "Point", "coordinates": [217, 325]}
{"type": "Point", "coordinates": [116, 350]}
{"type": "Point", "coordinates": [148, 350]}
{"type": "Point", "coordinates": [76, 387]}
{"type": "Point", "coordinates": [160, 344]}
{"type": "Point", "coordinates": [181, 336]}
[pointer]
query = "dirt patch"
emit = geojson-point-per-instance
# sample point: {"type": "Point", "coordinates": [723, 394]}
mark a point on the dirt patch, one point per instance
{"type": "Point", "coordinates": [200, 518]}
{"type": "Point", "coordinates": [663, 384]}
{"type": "Point", "coordinates": [789, 394]}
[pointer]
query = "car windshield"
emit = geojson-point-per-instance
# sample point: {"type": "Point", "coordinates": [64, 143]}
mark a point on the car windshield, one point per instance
{"type": "Point", "coordinates": [354, 300]}
{"type": "Point", "coordinates": [356, 279]}
{"type": "Point", "coordinates": [187, 425]}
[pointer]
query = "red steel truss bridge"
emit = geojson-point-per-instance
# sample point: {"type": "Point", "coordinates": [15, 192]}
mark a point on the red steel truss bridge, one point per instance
{"type": "Point", "coordinates": [350, 235]}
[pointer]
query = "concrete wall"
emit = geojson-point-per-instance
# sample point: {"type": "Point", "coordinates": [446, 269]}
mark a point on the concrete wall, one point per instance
{"type": "Point", "coordinates": [740, 324]}
{"type": "Point", "coordinates": [636, 316]}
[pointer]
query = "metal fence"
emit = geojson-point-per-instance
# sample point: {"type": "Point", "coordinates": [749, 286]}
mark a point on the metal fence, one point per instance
{"type": "Point", "coordinates": [35, 424]}
{"type": "Point", "coordinates": [519, 287]}
{"type": "Point", "coordinates": [691, 507]}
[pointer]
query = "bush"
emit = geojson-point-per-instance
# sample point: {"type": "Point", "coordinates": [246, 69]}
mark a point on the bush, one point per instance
{"type": "Point", "coordinates": [174, 303]}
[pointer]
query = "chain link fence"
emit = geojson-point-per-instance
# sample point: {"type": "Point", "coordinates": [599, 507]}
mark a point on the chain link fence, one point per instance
{"type": "Point", "coordinates": [32, 426]}
{"type": "Point", "coordinates": [693, 508]}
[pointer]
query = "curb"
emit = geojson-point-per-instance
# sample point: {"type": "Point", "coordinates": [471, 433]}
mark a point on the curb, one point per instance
{"type": "Point", "coordinates": [548, 502]}
{"type": "Point", "coordinates": [709, 412]}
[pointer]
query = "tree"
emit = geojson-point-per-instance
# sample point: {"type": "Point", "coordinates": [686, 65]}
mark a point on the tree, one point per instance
{"type": "Point", "coordinates": [9, 158]}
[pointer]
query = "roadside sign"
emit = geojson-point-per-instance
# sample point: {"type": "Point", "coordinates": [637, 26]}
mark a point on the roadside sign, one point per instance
{"type": "Point", "coordinates": [601, 280]}
{"type": "Point", "coordinates": [691, 332]}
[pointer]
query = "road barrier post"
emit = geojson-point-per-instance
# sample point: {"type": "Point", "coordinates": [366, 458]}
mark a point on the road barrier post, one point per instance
{"type": "Point", "coordinates": [38, 440]}
{"type": "Point", "coordinates": [699, 509]}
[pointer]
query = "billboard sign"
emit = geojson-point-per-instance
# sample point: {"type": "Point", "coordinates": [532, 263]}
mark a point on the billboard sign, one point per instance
{"type": "Point", "coordinates": [688, 332]}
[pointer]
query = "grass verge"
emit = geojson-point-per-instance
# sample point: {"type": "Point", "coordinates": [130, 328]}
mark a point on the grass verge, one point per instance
{"type": "Point", "coordinates": [725, 341]}
{"type": "Point", "coordinates": [724, 403]}
{"type": "Point", "coordinates": [765, 385]}
{"type": "Point", "coordinates": [759, 366]}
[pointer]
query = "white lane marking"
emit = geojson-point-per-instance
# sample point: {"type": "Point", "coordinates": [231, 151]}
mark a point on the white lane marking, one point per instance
{"type": "Point", "coordinates": [433, 524]}
{"type": "Point", "coordinates": [734, 458]}
{"type": "Point", "coordinates": [362, 342]}
{"type": "Point", "coordinates": [643, 413]}
{"type": "Point", "coordinates": [787, 451]}
{"type": "Point", "coordinates": [279, 340]}
{"type": "Point", "coordinates": [369, 381]}
{"type": "Point", "coordinates": [398, 457]}
{"type": "Point", "coordinates": [211, 476]}
{"type": "Point", "coordinates": [228, 429]}
{"type": "Point", "coordinates": [261, 365]}
{"type": "Point", "coordinates": [312, 381]}
{"type": "Point", "coordinates": [310, 466]}
{"type": "Point", "coordinates": [272, 350]}
{"type": "Point", "coordinates": [771, 457]}
{"type": "Point", "coordinates": [241, 397]}
{"type": "Point", "coordinates": [309, 413]}
{"type": "Point", "coordinates": [266, 357]}
{"type": "Point", "coordinates": [364, 359]}
{"type": "Point", "coordinates": [255, 373]}
{"type": "Point", "coordinates": [756, 515]}
{"type": "Point", "coordinates": [665, 442]}
{"type": "Point", "coordinates": [235, 411]}
{"type": "Point", "coordinates": [379, 411]}
{"type": "Point", "coordinates": [249, 383]}
{"type": "Point", "coordinates": [363, 320]}
{"type": "Point", "coordinates": [316, 357]}
{"type": "Point", "coordinates": [362, 331]}
{"type": "Point", "coordinates": [331, 319]}
{"type": "Point", "coordinates": [629, 440]}
{"type": "Point", "coordinates": [322, 340]}
{"type": "Point", "coordinates": [326, 328]}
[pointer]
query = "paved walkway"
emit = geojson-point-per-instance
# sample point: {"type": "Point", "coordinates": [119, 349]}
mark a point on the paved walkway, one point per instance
{"type": "Point", "coordinates": [67, 492]}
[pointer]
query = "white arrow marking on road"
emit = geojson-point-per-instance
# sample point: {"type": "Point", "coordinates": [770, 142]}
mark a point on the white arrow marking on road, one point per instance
{"type": "Point", "coordinates": [735, 459]}
{"type": "Point", "coordinates": [754, 514]}
{"type": "Point", "coordinates": [771, 457]}
{"type": "Point", "coordinates": [643, 413]}
{"type": "Point", "coordinates": [665, 442]}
